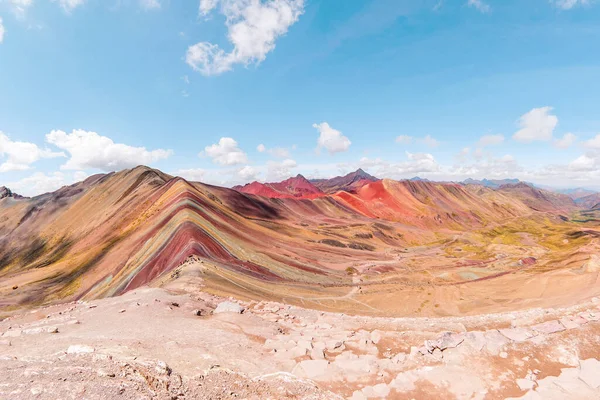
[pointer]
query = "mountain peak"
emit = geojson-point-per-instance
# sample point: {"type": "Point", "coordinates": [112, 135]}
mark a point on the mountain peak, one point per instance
{"type": "Point", "coordinates": [6, 192]}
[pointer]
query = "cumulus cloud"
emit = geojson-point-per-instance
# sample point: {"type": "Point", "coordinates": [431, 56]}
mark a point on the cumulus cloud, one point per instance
{"type": "Point", "coordinates": [421, 162]}
{"type": "Point", "coordinates": [39, 183]}
{"type": "Point", "coordinates": [20, 155]}
{"type": "Point", "coordinates": [79, 176]}
{"type": "Point", "coordinates": [191, 174]}
{"type": "Point", "coordinates": [277, 152]}
{"type": "Point", "coordinates": [150, 4]}
{"type": "Point", "coordinates": [566, 141]}
{"type": "Point", "coordinates": [278, 170]}
{"type": "Point", "coordinates": [583, 163]}
{"type": "Point", "coordinates": [2, 30]}
{"type": "Point", "coordinates": [19, 7]}
{"type": "Point", "coordinates": [593, 143]}
{"type": "Point", "coordinates": [331, 139]}
{"type": "Point", "coordinates": [253, 27]}
{"type": "Point", "coordinates": [206, 6]}
{"type": "Point", "coordinates": [404, 139]}
{"type": "Point", "coordinates": [417, 163]}
{"type": "Point", "coordinates": [429, 141]}
{"type": "Point", "coordinates": [480, 6]}
{"type": "Point", "coordinates": [90, 150]}
{"type": "Point", "coordinates": [248, 173]}
{"type": "Point", "coordinates": [488, 167]}
{"type": "Point", "coordinates": [69, 5]}
{"type": "Point", "coordinates": [490, 140]}
{"type": "Point", "coordinates": [536, 125]}
{"type": "Point", "coordinates": [226, 152]}
{"type": "Point", "coordinates": [569, 4]}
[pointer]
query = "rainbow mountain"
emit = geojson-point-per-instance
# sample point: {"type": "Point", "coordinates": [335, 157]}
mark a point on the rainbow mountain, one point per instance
{"type": "Point", "coordinates": [115, 232]}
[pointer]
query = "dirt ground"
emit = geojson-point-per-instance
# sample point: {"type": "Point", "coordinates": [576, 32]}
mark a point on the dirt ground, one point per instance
{"type": "Point", "coordinates": [183, 343]}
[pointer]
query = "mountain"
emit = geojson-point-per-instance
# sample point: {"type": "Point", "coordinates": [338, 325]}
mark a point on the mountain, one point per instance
{"type": "Point", "coordinates": [538, 199]}
{"type": "Point", "coordinates": [576, 193]}
{"type": "Point", "coordinates": [6, 192]}
{"type": "Point", "coordinates": [589, 202]}
{"type": "Point", "coordinates": [418, 179]}
{"type": "Point", "coordinates": [349, 183]}
{"type": "Point", "coordinates": [491, 183]}
{"type": "Point", "coordinates": [116, 232]}
{"type": "Point", "coordinates": [297, 186]}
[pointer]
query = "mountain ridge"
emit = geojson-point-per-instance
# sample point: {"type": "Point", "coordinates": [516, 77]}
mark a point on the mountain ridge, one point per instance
{"type": "Point", "coordinates": [112, 233]}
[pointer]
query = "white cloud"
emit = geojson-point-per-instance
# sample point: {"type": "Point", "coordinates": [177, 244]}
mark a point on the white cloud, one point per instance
{"type": "Point", "coordinates": [206, 6]}
{"type": "Point", "coordinates": [253, 27]}
{"type": "Point", "coordinates": [150, 4]}
{"type": "Point", "coordinates": [226, 152]}
{"type": "Point", "coordinates": [429, 141]}
{"type": "Point", "coordinates": [69, 5]}
{"type": "Point", "coordinates": [20, 155]}
{"type": "Point", "coordinates": [79, 176]}
{"type": "Point", "coordinates": [404, 139]}
{"type": "Point", "coordinates": [331, 139]}
{"type": "Point", "coordinates": [19, 7]}
{"type": "Point", "coordinates": [192, 174]}
{"type": "Point", "coordinates": [566, 141]}
{"type": "Point", "coordinates": [462, 155]}
{"type": "Point", "coordinates": [568, 4]}
{"type": "Point", "coordinates": [277, 152]}
{"type": "Point", "coordinates": [186, 79]}
{"type": "Point", "coordinates": [583, 163]}
{"type": "Point", "coordinates": [278, 170]}
{"type": "Point", "coordinates": [537, 124]}
{"type": "Point", "coordinates": [421, 162]}
{"type": "Point", "coordinates": [490, 140]}
{"type": "Point", "coordinates": [417, 163]}
{"type": "Point", "coordinates": [593, 143]}
{"type": "Point", "coordinates": [2, 31]}
{"type": "Point", "coordinates": [248, 173]}
{"type": "Point", "coordinates": [39, 183]}
{"type": "Point", "coordinates": [90, 150]}
{"type": "Point", "coordinates": [488, 167]}
{"type": "Point", "coordinates": [479, 5]}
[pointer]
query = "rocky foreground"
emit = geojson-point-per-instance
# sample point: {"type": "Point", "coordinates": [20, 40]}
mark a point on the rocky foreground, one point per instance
{"type": "Point", "coordinates": [153, 344]}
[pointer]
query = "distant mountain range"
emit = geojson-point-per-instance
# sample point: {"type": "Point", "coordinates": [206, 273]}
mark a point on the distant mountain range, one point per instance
{"type": "Point", "coordinates": [300, 187]}
{"type": "Point", "coordinates": [492, 183]}
{"type": "Point", "coordinates": [348, 183]}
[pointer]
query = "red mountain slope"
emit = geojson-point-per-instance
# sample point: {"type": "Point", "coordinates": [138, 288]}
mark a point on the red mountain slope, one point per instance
{"type": "Point", "coordinates": [297, 186]}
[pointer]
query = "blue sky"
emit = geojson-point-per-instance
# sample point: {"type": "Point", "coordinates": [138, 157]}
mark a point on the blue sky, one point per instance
{"type": "Point", "coordinates": [230, 91]}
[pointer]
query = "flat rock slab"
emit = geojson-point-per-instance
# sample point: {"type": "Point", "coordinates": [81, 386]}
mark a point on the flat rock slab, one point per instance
{"type": "Point", "coordinates": [590, 316]}
{"type": "Point", "coordinates": [228, 307]}
{"type": "Point", "coordinates": [573, 322]}
{"type": "Point", "coordinates": [517, 334]}
{"type": "Point", "coordinates": [590, 372]}
{"type": "Point", "coordinates": [525, 384]}
{"type": "Point", "coordinates": [380, 390]}
{"type": "Point", "coordinates": [495, 341]}
{"type": "Point", "coordinates": [549, 327]}
{"type": "Point", "coordinates": [12, 333]}
{"type": "Point", "coordinates": [310, 369]}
